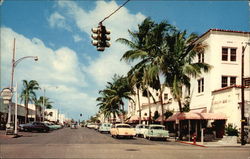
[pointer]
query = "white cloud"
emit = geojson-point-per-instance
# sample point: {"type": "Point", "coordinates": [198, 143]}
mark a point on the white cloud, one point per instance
{"type": "Point", "coordinates": [57, 20]}
{"type": "Point", "coordinates": [77, 38]}
{"type": "Point", "coordinates": [54, 68]}
{"type": "Point", "coordinates": [108, 63]}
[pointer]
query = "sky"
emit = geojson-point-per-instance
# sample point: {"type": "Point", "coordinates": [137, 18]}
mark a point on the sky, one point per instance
{"type": "Point", "coordinates": [70, 69]}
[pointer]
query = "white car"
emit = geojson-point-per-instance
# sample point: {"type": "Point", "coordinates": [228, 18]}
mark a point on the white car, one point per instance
{"type": "Point", "coordinates": [91, 126]}
{"type": "Point", "coordinates": [105, 127]}
{"type": "Point", "coordinates": [140, 129]}
{"type": "Point", "coordinates": [156, 131]}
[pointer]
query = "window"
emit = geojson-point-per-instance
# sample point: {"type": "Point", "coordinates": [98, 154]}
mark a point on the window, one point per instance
{"type": "Point", "coordinates": [228, 52]}
{"type": "Point", "coordinates": [201, 57]}
{"type": "Point", "coordinates": [165, 96]}
{"type": "Point", "coordinates": [225, 79]}
{"type": "Point", "coordinates": [157, 94]}
{"type": "Point", "coordinates": [233, 54]}
{"type": "Point", "coordinates": [224, 54]}
{"type": "Point", "coordinates": [201, 85]}
{"type": "Point", "coordinates": [232, 81]}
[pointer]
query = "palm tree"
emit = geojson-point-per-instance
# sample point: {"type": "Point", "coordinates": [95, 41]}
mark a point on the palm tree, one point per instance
{"type": "Point", "coordinates": [28, 94]}
{"type": "Point", "coordinates": [179, 67]}
{"type": "Point", "coordinates": [146, 47]}
{"type": "Point", "coordinates": [135, 79]}
{"type": "Point", "coordinates": [106, 106]}
{"type": "Point", "coordinates": [117, 91]}
{"type": "Point", "coordinates": [42, 101]}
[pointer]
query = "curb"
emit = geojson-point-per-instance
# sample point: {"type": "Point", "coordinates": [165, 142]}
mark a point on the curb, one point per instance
{"type": "Point", "coordinates": [183, 142]}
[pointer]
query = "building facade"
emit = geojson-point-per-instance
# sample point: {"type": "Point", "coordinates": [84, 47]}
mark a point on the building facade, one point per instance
{"type": "Point", "coordinates": [219, 90]}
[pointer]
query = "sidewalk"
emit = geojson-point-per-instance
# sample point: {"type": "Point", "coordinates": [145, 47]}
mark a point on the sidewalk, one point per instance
{"type": "Point", "coordinates": [213, 144]}
{"type": "Point", "coordinates": [4, 136]}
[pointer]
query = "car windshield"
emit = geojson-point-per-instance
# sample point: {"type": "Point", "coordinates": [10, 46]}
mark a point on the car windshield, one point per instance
{"type": "Point", "coordinates": [123, 126]}
{"type": "Point", "coordinates": [157, 127]}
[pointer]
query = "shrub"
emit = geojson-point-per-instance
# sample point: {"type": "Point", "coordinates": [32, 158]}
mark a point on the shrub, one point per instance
{"type": "Point", "coordinates": [231, 131]}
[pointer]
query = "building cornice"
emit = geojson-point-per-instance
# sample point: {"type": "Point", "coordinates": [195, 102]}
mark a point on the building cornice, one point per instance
{"type": "Point", "coordinates": [229, 87]}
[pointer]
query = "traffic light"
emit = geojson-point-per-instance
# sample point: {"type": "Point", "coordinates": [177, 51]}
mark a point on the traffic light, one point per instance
{"type": "Point", "coordinates": [105, 37]}
{"type": "Point", "coordinates": [100, 37]}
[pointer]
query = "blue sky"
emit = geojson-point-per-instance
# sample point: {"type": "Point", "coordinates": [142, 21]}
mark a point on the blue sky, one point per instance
{"type": "Point", "coordinates": [59, 33]}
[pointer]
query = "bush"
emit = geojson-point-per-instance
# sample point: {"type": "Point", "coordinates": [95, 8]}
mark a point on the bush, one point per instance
{"type": "Point", "coordinates": [231, 131]}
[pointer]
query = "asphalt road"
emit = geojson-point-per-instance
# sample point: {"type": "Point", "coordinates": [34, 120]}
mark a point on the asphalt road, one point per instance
{"type": "Point", "coordinates": [88, 143]}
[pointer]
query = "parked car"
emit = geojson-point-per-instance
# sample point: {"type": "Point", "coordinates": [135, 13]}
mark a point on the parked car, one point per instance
{"type": "Point", "coordinates": [122, 130]}
{"type": "Point", "coordinates": [105, 127]}
{"type": "Point", "coordinates": [91, 126]}
{"type": "Point", "coordinates": [140, 129]}
{"type": "Point", "coordinates": [74, 126]}
{"type": "Point", "coordinates": [156, 131]}
{"type": "Point", "coordinates": [21, 126]}
{"type": "Point", "coordinates": [36, 126]}
{"type": "Point", "coordinates": [53, 126]}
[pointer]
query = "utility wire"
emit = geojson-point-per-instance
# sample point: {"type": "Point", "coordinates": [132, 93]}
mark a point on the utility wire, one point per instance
{"type": "Point", "coordinates": [114, 11]}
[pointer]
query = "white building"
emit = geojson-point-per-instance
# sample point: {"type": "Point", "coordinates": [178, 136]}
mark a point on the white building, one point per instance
{"type": "Point", "coordinates": [52, 115]}
{"type": "Point", "coordinates": [153, 103]}
{"type": "Point", "coordinates": [217, 91]}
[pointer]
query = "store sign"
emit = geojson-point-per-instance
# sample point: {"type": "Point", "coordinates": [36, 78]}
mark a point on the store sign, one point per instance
{"type": "Point", "coordinates": [6, 94]}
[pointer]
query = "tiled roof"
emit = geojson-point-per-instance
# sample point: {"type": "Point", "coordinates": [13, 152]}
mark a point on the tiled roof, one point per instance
{"type": "Point", "coordinates": [223, 30]}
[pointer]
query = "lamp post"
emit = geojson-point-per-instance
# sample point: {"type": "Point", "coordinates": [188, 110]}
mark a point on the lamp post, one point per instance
{"type": "Point", "coordinates": [243, 95]}
{"type": "Point", "coordinates": [14, 64]}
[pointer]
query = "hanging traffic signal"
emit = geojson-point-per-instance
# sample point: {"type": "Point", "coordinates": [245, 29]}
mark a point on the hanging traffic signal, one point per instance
{"type": "Point", "coordinates": [96, 36]}
{"type": "Point", "coordinates": [100, 37]}
{"type": "Point", "coordinates": [105, 37]}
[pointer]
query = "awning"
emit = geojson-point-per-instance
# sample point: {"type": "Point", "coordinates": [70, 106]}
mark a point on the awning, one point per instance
{"type": "Point", "coordinates": [136, 118]}
{"type": "Point", "coordinates": [159, 118]}
{"type": "Point", "coordinates": [197, 116]}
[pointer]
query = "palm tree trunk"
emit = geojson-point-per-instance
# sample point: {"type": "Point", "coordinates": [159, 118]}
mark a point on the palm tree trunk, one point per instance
{"type": "Point", "coordinates": [162, 108]}
{"type": "Point", "coordinates": [149, 107]}
{"type": "Point", "coordinates": [27, 111]}
{"type": "Point", "coordinates": [123, 113]}
{"type": "Point", "coordinates": [180, 108]}
{"type": "Point", "coordinates": [36, 113]}
{"type": "Point", "coordinates": [180, 105]}
{"type": "Point", "coordinates": [139, 107]}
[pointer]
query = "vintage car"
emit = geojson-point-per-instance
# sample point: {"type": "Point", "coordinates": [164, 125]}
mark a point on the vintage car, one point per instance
{"type": "Point", "coordinates": [140, 129]}
{"type": "Point", "coordinates": [104, 127]}
{"type": "Point", "coordinates": [156, 131]}
{"type": "Point", "coordinates": [36, 126]}
{"type": "Point", "coordinates": [122, 130]}
{"type": "Point", "coordinates": [91, 126]}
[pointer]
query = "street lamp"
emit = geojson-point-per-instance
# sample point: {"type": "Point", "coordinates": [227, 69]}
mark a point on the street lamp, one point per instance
{"type": "Point", "coordinates": [14, 64]}
{"type": "Point", "coordinates": [243, 120]}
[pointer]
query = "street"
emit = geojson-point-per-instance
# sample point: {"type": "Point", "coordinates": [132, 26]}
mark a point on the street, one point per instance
{"type": "Point", "coordinates": [88, 143]}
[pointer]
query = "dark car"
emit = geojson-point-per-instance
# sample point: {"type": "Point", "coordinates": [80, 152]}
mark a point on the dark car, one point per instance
{"type": "Point", "coordinates": [36, 126]}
